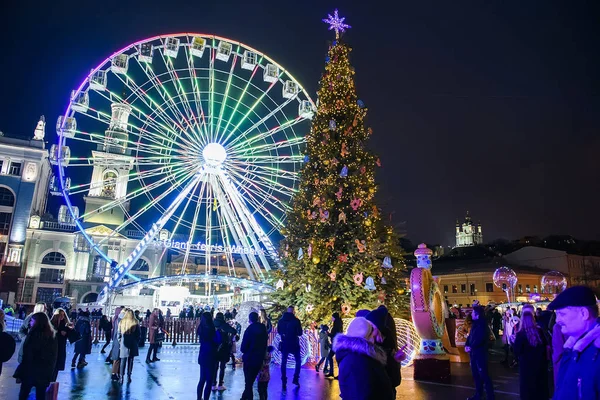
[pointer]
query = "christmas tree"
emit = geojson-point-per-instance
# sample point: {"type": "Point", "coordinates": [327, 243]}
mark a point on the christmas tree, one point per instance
{"type": "Point", "coordinates": [337, 254]}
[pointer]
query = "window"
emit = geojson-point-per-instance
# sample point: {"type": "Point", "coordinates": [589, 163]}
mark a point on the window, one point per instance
{"type": "Point", "coordinates": [47, 295]}
{"type": "Point", "coordinates": [6, 197]}
{"type": "Point", "coordinates": [472, 289]}
{"type": "Point", "coordinates": [454, 289]}
{"type": "Point", "coordinates": [445, 288]}
{"type": "Point", "coordinates": [27, 291]}
{"type": "Point", "coordinates": [489, 287]}
{"type": "Point", "coordinates": [535, 289]}
{"type": "Point", "coordinates": [99, 267]}
{"type": "Point", "coordinates": [520, 289]}
{"type": "Point", "coordinates": [463, 288]}
{"type": "Point", "coordinates": [15, 169]}
{"type": "Point", "coordinates": [527, 289]}
{"type": "Point", "coordinates": [54, 258]}
{"type": "Point", "coordinates": [5, 223]}
{"type": "Point", "coordinates": [140, 265]}
{"type": "Point", "coordinates": [52, 275]}
{"type": "Point", "coordinates": [109, 183]}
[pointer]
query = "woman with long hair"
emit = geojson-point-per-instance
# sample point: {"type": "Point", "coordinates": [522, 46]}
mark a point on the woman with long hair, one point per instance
{"type": "Point", "coordinates": [129, 337]}
{"type": "Point", "coordinates": [207, 357]}
{"type": "Point", "coordinates": [106, 327]}
{"type": "Point", "coordinates": [530, 347]}
{"type": "Point", "coordinates": [39, 357]}
{"type": "Point", "coordinates": [61, 324]}
{"type": "Point", "coordinates": [338, 327]}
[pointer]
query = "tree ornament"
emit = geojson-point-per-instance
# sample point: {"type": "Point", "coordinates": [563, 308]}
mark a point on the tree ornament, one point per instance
{"type": "Point", "coordinates": [332, 125]}
{"type": "Point", "coordinates": [370, 284]}
{"type": "Point", "coordinates": [355, 203]}
{"type": "Point", "coordinates": [381, 297]}
{"type": "Point", "coordinates": [316, 259]}
{"type": "Point", "coordinates": [324, 215]}
{"type": "Point", "coordinates": [317, 202]}
{"type": "Point", "coordinates": [368, 222]}
{"type": "Point", "coordinates": [332, 275]}
{"type": "Point", "coordinates": [375, 211]}
{"type": "Point", "coordinates": [346, 308]}
{"type": "Point", "coordinates": [300, 254]}
{"type": "Point", "coordinates": [334, 161]}
{"type": "Point", "coordinates": [358, 279]}
{"type": "Point", "coordinates": [309, 308]}
{"type": "Point", "coordinates": [387, 263]}
{"type": "Point", "coordinates": [360, 245]}
{"type": "Point", "coordinates": [279, 285]}
{"type": "Point", "coordinates": [309, 250]}
{"type": "Point", "coordinates": [339, 103]}
{"type": "Point", "coordinates": [344, 172]}
{"type": "Point", "coordinates": [344, 151]}
{"type": "Point", "coordinates": [338, 194]}
{"type": "Point", "coordinates": [308, 288]}
{"type": "Point", "coordinates": [317, 181]}
{"type": "Point", "coordinates": [355, 121]}
{"type": "Point", "coordinates": [378, 162]}
{"type": "Point", "coordinates": [370, 131]}
{"type": "Point", "coordinates": [342, 217]}
{"type": "Point", "coordinates": [330, 243]}
{"type": "Point", "coordinates": [343, 257]}
{"type": "Point", "coordinates": [383, 281]}
{"type": "Point", "coordinates": [400, 291]}
{"type": "Point", "coordinates": [360, 103]}
{"type": "Point", "coordinates": [348, 130]}
{"type": "Point", "coordinates": [363, 169]}
{"type": "Point", "coordinates": [326, 162]}
{"type": "Point", "coordinates": [306, 158]}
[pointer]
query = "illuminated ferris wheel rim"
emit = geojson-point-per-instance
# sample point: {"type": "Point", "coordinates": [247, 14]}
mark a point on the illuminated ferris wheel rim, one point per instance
{"type": "Point", "coordinates": [214, 153]}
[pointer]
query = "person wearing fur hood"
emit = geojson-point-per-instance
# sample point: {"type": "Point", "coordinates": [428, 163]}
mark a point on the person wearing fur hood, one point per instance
{"type": "Point", "coordinates": [362, 373]}
{"type": "Point", "coordinates": [579, 372]}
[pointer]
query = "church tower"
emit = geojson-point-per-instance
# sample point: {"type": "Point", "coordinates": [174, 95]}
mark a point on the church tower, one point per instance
{"type": "Point", "coordinates": [112, 162]}
{"type": "Point", "coordinates": [468, 234]}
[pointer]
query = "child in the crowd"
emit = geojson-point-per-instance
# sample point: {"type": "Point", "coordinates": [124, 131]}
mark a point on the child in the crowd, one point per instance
{"type": "Point", "coordinates": [264, 375]}
{"type": "Point", "coordinates": [325, 347]}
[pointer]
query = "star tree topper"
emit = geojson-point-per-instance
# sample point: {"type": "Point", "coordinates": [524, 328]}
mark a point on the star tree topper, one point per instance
{"type": "Point", "coordinates": [336, 23]}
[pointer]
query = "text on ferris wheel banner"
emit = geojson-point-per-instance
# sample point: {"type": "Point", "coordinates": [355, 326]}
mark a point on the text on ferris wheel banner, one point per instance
{"type": "Point", "coordinates": [213, 248]}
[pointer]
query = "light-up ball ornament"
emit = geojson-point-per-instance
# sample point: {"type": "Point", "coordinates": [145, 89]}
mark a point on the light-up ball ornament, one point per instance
{"type": "Point", "coordinates": [505, 277]}
{"type": "Point", "coordinates": [368, 222]}
{"type": "Point", "coordinates": [214, 154]}
{"type": "Point", "coordinates": [553, 282]}
{"type": "Point", "coordinates": [316, 259]}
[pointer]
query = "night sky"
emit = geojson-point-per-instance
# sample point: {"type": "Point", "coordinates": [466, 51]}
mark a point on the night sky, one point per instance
{"type": "Point", "coordinates": [486, 106]}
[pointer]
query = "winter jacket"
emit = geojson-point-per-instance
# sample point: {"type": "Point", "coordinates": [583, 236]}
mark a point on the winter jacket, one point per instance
{"type": "Point", "coordinates": [129, 343]}
{"type": "Point", "coordinates": [558, 343]}
{"type": "Point", "coordinates": [324, 343]}
{"type": "Point", "coordinates": [478, 338]}
{"type": "Point", "coordinates": [84, 345]}
{"type": "Point", "coordinates": [61, 342]}
{"type": "Point", "coordinates": [579, 372]}
{"type": "Point", "coordinates": [227, 333]}
{"type": "Point", "coordinates": [362, 374]}
{"type": "Point", "coordinates": [290, 330]}
{"type": "Point", "coordinates": [254, 344]}
{"type": "Point", "coordinates": [153, 323]}
{"type": "Point", "coordinates": [114, 350]}
{"type": "Point", "coordinates": [390, 346]}
{"type": "Point", "coordinates": [533, 367]}
{"type": "Point", "coordinates": [39, 360]}
{"type": "Point", "coordinates": [208, 346]}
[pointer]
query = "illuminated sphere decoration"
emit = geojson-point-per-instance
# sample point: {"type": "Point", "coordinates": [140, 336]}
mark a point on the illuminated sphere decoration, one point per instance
{"type": "Point", "coordinates": [554, 282]}
{"type": "Point", "coordinates": [242, 317]}
{"type": "Point", "coordinates": [291, 362]}
{"type": "Point", "coordinates": [505, 277]}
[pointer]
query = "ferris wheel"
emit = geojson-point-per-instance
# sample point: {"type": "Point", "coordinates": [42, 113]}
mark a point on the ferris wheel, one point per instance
{"type": "Point", "coordinates": [193, 140]}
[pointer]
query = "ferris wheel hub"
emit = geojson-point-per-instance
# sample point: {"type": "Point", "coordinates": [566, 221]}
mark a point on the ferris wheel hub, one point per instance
{"type": "Point", "coordinates": [214, 154]}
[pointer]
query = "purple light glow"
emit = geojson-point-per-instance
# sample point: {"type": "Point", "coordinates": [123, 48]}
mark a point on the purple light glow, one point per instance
{"type": "Point", "coordinates": [336, 23]}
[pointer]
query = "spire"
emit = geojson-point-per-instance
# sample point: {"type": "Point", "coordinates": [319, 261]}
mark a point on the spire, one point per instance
{"type": "Point", "coordinates": [40, 129]}
{"type": "Point", "coordinates": [468, 218]}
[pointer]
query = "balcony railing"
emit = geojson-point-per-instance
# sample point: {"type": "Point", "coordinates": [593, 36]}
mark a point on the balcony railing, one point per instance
{"type": "Point", "coordinates": [58, 226]}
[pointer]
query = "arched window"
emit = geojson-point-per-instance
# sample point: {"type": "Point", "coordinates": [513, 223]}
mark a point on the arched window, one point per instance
{"type": "Point", "coordinates": [141, 265]}
{"type": "Point", "coordinates": [54, 258]}
{"type": "Point", "coordinates": [7, 198]}
{"type": "Point", "coordinates": [109, 184]}
{"type": "Point", "coordinates": [90, 298]}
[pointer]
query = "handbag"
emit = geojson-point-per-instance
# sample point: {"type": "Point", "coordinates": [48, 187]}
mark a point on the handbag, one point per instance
{"type": "Point", "coordinates": [160, 335]}
{"type": "Point", "coordinates": [73, 336]}
{"type": "Point", "coordinates": [52, 391]}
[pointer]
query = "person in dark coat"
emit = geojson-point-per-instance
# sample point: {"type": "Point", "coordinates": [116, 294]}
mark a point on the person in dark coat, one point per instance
{"type": "Point", "coordinates": [207, 357]}
{"type": "Point", "coordinates": [106, 327]}
{"type": "Point", "coordinates": [226, 332]}
{"type": "Point", "coordinates": [153, 325]}
{"type": "Point", "coordinates": [61, 324]}
{"type": "Point", "coordinates": [530, 349]}
{"type": "Point", "coordinates": [338, 327]}
{"type": "Point", "coordinates": [361, 363]}
{"type": "Point", "coordinates": [84, 345]}
{"type": "Point", "coordinates": [477, 347]}
{"type": "Point", "coordinates": [254, 346]}
{"type": "Point", "coordinates": [39, 358]}
{"type": "Point", "coordinates": [190, 314]}
{"type": "Point", "coordinates": [325, 346]}
{"type": "Point", "coordinates": [496, 322]}
{"type": "Point", "coordinates": [384, 322]}
{"type": "Point", "coordinates": [129, 338]}
{"type": "Point", "coordinates": [579, 371]}
{"type": "Point", "coordinates": [290, 330]}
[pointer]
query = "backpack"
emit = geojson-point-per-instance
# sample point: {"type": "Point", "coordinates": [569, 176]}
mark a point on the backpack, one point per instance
{"type": "Point", "coordinates": [223, 341]}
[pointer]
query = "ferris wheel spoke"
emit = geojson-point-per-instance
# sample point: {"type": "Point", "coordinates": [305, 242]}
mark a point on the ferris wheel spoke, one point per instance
{"type": "Point", "coordinates": [264, 135]}
{"type": "Point", "coordinates": [261, 121]}
{"type": "Point", "coordinates": [268, 147]}
{"type": "Point", "coordinates": [272, 184]}
{"type": "Point", "coordinates": [259, 207]}
{"type": "Point", "coordinates": [197, 96]}
{"type": "Point", "coordinates": [145, 208]}
{"type": "Point", "coordinates": [226, 94]}
{"type": "Point", "coordinates": [265, 171]}
{"type": "Point", "coordinates": [226, 240]}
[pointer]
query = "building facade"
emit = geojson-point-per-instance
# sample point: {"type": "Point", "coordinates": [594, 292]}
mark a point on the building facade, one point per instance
{"type": "Point", "coordinates": [468, 234]}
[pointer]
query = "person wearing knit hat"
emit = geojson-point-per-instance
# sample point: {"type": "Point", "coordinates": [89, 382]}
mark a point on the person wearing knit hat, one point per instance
{"type": "Point", "coordinates": [579, 372]}
{"type": "Point", "coordinates": [384, 322]}
{"type": "Point", "coordinates": [361, 362]}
